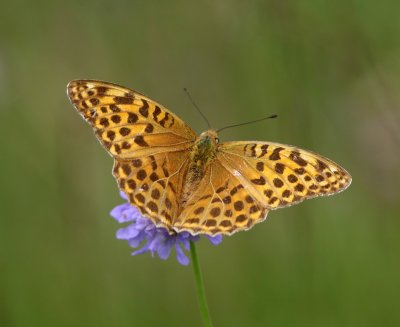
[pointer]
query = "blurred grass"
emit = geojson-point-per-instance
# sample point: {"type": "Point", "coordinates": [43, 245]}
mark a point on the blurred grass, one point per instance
{"type": "Point", "coordinates": [331, 72]}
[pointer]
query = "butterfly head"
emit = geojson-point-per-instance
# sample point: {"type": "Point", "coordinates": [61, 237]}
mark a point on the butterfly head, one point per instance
{"type": "Point", "coordinates": [208, 139]}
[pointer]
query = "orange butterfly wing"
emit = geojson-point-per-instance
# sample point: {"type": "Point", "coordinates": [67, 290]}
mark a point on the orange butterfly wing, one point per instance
{"type": "Point", "coordinates": [149, 143]}
{"type": "Point", "coordinates": [247, 179]}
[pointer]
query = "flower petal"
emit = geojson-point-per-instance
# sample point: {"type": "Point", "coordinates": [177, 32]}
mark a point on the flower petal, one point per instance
{"type": "Point", "coordinates": [127, 232]}
{"type": "Point", "coordinates": [164, 250]}
{"type": "Point", "coordinates": [180, 255]}
{"type": "Point", "coordinates": [215, 239]}
{"type": "Point", "coordinates": [141, 250]}
{"type": "Point", "coordinates": [135, 242]}
{"type": "Point", "coordinates": [123, 195]}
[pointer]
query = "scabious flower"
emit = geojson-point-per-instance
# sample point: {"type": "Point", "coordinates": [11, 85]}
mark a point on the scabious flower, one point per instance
{"type": "Point", "coordinates": [154, 239]}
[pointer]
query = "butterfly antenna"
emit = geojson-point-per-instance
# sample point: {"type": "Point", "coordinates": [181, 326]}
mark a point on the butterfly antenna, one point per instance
{"type": "Point", "coordinates": [249, 122]}
{"type": "Point", "coordinates": [198, 109]}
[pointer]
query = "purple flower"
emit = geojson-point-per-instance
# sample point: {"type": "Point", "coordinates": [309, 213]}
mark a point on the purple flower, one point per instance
{"type": "Point", "coordinates": [155, 239]}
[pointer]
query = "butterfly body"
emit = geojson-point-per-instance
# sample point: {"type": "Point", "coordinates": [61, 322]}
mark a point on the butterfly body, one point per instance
{"type": "Point", "coordinates": [201, 155]}
{"type": "Point", "coordinates": [185, 182]}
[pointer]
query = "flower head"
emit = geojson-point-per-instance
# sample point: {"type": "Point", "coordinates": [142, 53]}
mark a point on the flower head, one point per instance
{"type": "Point", "coordinates": [155, 239]}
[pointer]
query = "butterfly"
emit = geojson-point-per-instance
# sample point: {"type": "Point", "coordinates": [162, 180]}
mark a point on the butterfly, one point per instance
{"type": "Point", "coordinates": [185, 182]}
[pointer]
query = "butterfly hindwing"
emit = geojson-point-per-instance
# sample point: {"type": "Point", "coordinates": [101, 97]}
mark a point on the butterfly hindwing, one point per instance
{"type": "Point", "coordinates": [220, 205]}
{"type": "Point", "coordinates": [153, 184]}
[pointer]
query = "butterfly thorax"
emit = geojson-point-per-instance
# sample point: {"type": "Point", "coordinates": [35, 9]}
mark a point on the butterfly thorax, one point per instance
{"type": "Point", "coordinates": [201, 155]}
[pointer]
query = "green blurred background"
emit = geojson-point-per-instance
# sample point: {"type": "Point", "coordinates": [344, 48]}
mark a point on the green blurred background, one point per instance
{"type": "Point", "coordinates": [329, 69]}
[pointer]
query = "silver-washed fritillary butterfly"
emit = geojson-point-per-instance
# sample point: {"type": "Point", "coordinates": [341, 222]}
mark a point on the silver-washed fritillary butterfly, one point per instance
{"type": "Point", "coordinates": [185, 182]}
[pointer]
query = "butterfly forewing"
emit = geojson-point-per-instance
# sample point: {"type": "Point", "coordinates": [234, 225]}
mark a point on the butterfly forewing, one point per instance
{"type": "Point", "coordinates": [127, 123]}
{"type": "Point", "coordinates": [279, 175]}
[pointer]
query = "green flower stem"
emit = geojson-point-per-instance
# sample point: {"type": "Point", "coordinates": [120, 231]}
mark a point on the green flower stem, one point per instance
{"type": "Point", "coordinates": [201, 295]}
